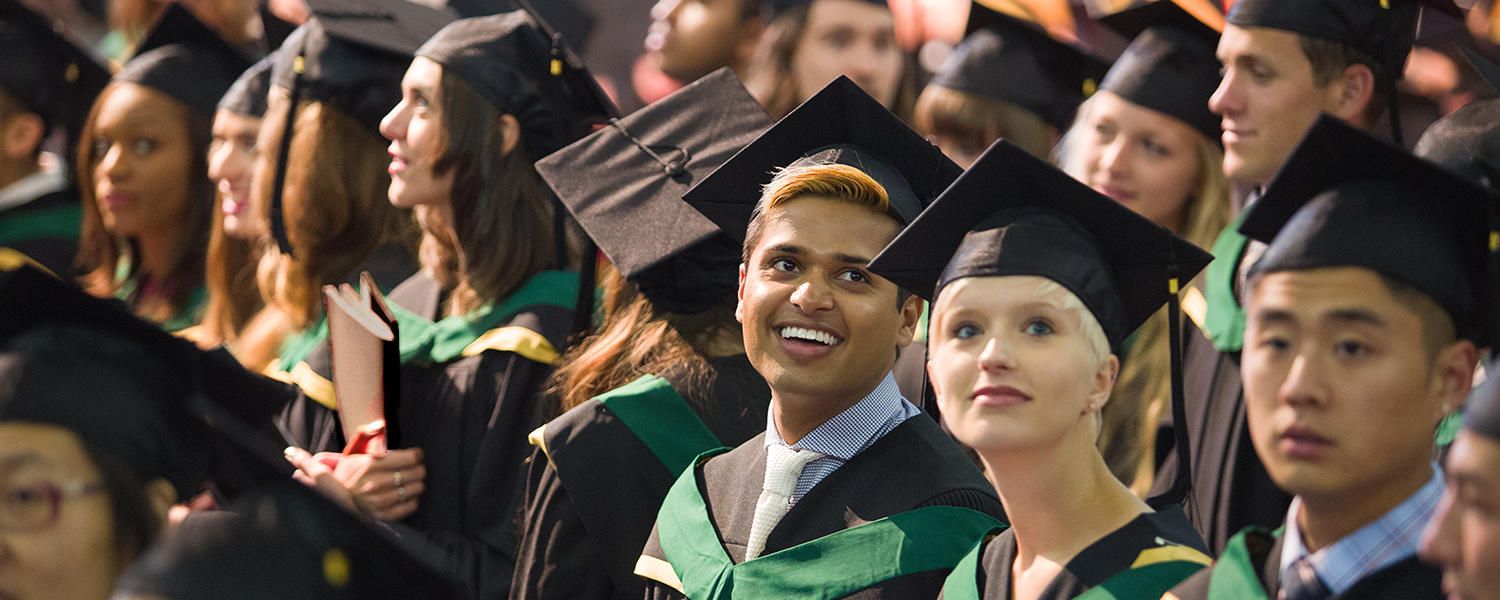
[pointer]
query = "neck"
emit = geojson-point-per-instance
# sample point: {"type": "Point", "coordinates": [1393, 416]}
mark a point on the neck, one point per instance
{"type": "Point", "coordinates": [1327, 518]}
{"type": "Point", "coordinates": [1059, 497]}
{"type": "Point", "coordinates": [796, 415]}
{"type": "Point", "coordinates": [156, 253]}
{"type": "Point", "coordinates": [13, 171]}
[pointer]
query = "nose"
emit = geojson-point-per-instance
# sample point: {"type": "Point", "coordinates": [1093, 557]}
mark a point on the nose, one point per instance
{"type": "Point", "coordinates": [996, 356]}
{"type": "Point", "coordinates": [1226, 99]}
{"type": "Point", "coordinates": [812, 296]}
{"type": "Point", "coordinates": [1114, 159]}
{"type": "Point", "coordinates": [393, 126]}
{"type": "Point", "coordinates": [1441, 541]}
{"type": "Point", "coordinates": [1303, 387]}
{"type": "Point", "coordinates": [218, 159]}
{"type": "Point", "coordinates": [112, 163]}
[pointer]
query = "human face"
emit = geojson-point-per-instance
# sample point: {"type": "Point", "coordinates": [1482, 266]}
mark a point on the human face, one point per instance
{"type": "Point", "coordinates": [1464, 536]}
{"type": "Point", "coordinates": [808, 272]}
{"type": "Point", "coordinates": [231, 162]}
{"type": "Point", "coordinates": [1141, 158]}
{"type": "Point", "coordinates": [1341, 394]}
{"type": "Point", "coordinates": [73, 556]}
{"type": "Point", "coordinates": [848, 37]}
{"type": "Point", "coordinates": [143, 159]}
{"type": "Point", "coordinates": [415, 128]}
{"type": "Point", "coordinates": [1267, 99]}
{"type": "Point", "coordinates": [690, 38]}
{"type": "Point", "coordinates": [1011, 364]}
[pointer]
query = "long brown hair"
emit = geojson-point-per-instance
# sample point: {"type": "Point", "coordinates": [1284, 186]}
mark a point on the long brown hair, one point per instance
{"type": "Point", "coordinates": [233, 294]}
{"type": "Point", "coordinates": [769, 74]}
{"type": "Point", "coordinates": [334, 205]}
{"type": "Point", "coordinates": [976, 121]}
{"type": "Point", "coordinates": [639, 339]}
{"type": "Point", "coordinates": [503, 234]}
{"type": "Point", "coordinates": [99, 250]}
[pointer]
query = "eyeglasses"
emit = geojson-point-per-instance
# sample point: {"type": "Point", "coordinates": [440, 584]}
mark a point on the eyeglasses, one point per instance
{"type": "Point", "coordinates": [34, 506]}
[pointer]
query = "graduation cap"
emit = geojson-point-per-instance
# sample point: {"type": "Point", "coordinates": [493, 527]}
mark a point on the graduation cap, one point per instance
{"type": "Point", "coordinates": [149, 398]}
{"type": "Point", "coordinates": [186, 60]}
{"type": "Point", "coordinates": [1012, 213]}
{"type": "Point", "coordinates": [351, 55]}
{"type": "Point", "coordinates": [1169, 66]}
{"type": "Point", "coordinates": [841, 124]}
{"type": "Point", "coordinates": [46, 70]}
{"type": "Point", "coordinates": [1116, 261]}
{"type": "Point", "coordinates": [247, 96]}
{"type": "Point", "coordinates": [522, 66]}
{"type": "Point", "coordinates": [624, 185]}
{"type": "Point", "coordinates": [1346, 199]}
{"type": "Point", "coordinates": [284, 542]}
{"type": "Point", "coordinates": [1016, 61]}
{"type": "Point", "coordinates": [1382, 29]}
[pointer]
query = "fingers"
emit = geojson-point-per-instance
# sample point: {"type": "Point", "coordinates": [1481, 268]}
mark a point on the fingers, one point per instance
{"type": "Point", "coordinates": [314, 473]}
{"type": "Point", "coordinates": [393, 504]}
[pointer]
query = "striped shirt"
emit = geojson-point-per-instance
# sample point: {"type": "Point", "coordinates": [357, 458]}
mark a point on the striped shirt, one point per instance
{"type": "Point", "coordinates": [1388, 540]}
{"type": "Point", "coordinates": [848, 433]}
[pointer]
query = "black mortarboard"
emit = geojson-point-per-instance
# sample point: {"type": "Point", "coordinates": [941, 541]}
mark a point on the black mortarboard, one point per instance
{"type": "Point", "coordinates": [1482, 409]}
{"type": "Point", "coordinates": [1014, 214]}
{"type": "Point", "coordinates": [151, 399]}
{"type": "Point", "coordinates": [1018, 62]}
{"type": "Point", "coordinates": [1467, 142]}
{"type": "Point", "coordinates": [285, 542]}
{"type": "Point", "coordinates": [46, 70]}
{"type": "Point", "coordinates": [840, 124]}
{"type": "Point", "coordinates": [1383, 29]}
{"type": "Point", "coordinates": [247, 97]}
{"type": "Point", "coordinates": [186, 60]}
{"type": "Point", "coordinates": [1170, 66]}
{"type": "Point", "coordinates": [624, 185]}
{"type": "Point", "coordinates": [1346, 199]}
{"type": "Point", "coordinates": [772, 8]}
{"type": "Point", "coordinates": [354, 54]}
{"type": "Point", "coordinates": [522, 67]}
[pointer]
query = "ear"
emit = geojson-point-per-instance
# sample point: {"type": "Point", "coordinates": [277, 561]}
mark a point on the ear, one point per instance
{"type": "Point", "coordinates": [20, 135]}
{"type": "Point", "coordinates": [1349, 94]}
{"type": "Point", "coordinates": [932, 381]}
{"type": "Point", "coordinates": [161, 495]}
{"type": "Point", "coordinates": [911, 314]}
{"type": "Point", "coordinates": [1452, 377]}
{"type": "Point", "coordinates": [739, 295]}
{"type": "Point", "coordinates": [1104, 384]}
{"type": "Point", "coordinates": [510, 130]}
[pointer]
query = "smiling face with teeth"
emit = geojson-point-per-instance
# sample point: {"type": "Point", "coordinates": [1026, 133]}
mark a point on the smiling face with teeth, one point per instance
{"type": "Point", "coordinates": [820, 327]}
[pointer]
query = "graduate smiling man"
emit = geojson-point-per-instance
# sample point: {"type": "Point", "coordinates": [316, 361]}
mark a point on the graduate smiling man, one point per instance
{"type": "Point", "coordinates": [852, 490]}
{"type": "Point", "coordinates": [1364, 319]}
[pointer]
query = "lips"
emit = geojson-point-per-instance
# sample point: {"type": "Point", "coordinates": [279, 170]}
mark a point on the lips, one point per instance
{"type": "Point", "coordinates": [1116, 193]}
{"type": "Point", "coordinates": [806, 341]}
{"type": "Point", "coordinates": [117, 200]}
{"type": "Point", "coordinates": [1303, 443]}
{"type": "Point", "coordinates": [1232, 135]}
{"type": "Point", "coordinates": [398, 163]}
{"type": "Point", "coordinates": [999, 396]}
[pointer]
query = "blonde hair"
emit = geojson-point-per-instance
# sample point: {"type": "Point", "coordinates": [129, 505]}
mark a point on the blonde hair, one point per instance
{"type": "Point", "coordinates": [977, 121]}
{"type": "Point", "coordinates": [834, 181]}
{"type": "Point", "coordinates": [1143, 392]}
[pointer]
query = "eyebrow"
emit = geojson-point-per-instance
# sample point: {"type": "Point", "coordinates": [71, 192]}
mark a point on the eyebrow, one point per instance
{"type": "Point", "coordinates": [20, 459]}
{"type": "Point", "coordinates": [800, 251]}
{"type": "Point", "coordinates": [1352, 316]}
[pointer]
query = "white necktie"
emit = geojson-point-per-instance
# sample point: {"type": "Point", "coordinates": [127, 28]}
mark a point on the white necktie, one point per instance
{"type": "Point", "coordinates": [783, 466]}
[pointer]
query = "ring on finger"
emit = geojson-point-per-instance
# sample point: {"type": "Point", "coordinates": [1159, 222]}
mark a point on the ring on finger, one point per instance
{"type": "Point", "coordinates": [400, 494]}
{"type": "Point", "coordinates": [396, 477]}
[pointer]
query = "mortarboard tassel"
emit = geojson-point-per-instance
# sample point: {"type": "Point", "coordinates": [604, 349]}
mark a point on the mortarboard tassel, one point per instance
{"type": "Point", "coordinates": [1182, 484]}
{"type": "Point", "coordinates": [278, 221]}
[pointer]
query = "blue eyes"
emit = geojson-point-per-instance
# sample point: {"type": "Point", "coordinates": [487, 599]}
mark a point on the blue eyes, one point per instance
{"type": "Point", "coordinates": [1034, 328]}
{"type": "Point", "coordinates": [1039, 328]}
{"type": "Point", "coordinates": [966, 331]}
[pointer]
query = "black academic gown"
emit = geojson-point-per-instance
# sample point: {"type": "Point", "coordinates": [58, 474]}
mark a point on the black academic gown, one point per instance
{"type": "Point", "coordinates": [594, 488]}
{"type": "Point", "coordinates": [1230, 487]}
{"type": "Point", "coordinates": [1151, 538]}
{"type": "Point", "coordinates": [916, 465]}
{"type": "Point", "coordinates": [1255, 555]}
{"type": "Point", "coordinates": [46, 230]}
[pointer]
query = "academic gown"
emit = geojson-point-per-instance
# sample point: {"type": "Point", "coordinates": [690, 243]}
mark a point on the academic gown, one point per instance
{"type": "Point", "coordinates": [1230, 487]}
{"type": "Point", "coordinates": [594, 484]}
{"type": "Point", "coordinates": [45, 230]}
{"type": "Point", "coordinates": [468, 399]}
{"type": "Point", "coordinates": [1250, 569]}
{"type": "Point", "coordinates": [1138, 561]}
{"type": "Point", "coordinates": [910, 498]}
